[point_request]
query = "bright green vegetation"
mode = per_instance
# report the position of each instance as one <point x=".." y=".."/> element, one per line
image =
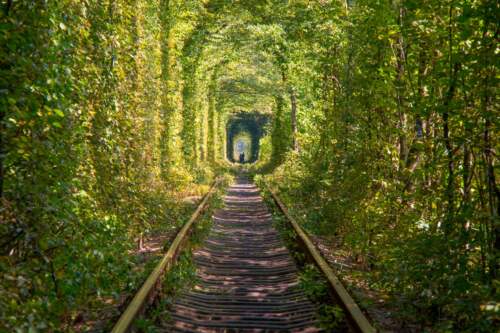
<point x="383" y="133"/>
<point x="331" y="316"/>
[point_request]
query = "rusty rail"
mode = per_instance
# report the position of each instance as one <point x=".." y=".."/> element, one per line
<point x="148" y="288"/>
<point x="356" y="318"/>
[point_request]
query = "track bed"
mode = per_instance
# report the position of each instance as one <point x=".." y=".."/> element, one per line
<point x="247" y="279"/>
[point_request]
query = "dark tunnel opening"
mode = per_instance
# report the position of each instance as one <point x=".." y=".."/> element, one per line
<point x="244" y="131"/>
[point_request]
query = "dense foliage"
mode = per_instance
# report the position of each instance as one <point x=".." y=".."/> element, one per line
<point x="384" y="133"/>
<point x="398" y="130"/>
<point x="90" y="148"/>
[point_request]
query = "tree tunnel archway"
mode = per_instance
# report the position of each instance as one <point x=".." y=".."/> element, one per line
<point x="245" y="130"/>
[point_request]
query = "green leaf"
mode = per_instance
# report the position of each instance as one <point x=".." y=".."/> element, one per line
<point x="59" y="113"/>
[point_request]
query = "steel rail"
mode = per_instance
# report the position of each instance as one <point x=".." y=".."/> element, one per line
<point x="356" y="318"/>
<point x="147" y="290"/>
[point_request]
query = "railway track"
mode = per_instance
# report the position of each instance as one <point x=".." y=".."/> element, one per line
<point x="247" y="279"/>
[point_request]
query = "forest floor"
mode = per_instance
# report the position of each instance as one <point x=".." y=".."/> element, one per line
<point x="383" y="314"/>
<point x="108" y="309"/>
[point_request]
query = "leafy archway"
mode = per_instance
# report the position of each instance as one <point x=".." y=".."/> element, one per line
<point x="245" y="125"/>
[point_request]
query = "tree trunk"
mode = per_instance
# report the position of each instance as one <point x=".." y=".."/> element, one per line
<point x="293" y="101"/>
<point x="2" y="151"/>
<point x="8" y="6"/>
<point x="400" y="69"/>
<point x="450" y="184"/>
<point x="293" y="115"/>
<point x="493" y="199"/>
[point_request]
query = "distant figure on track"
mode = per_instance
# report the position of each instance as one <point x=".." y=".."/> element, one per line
<point x="242" y="158"/>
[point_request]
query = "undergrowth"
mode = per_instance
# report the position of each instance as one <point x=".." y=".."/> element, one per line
<point x="182" y="276"/>
<point x="331" y="317"/>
